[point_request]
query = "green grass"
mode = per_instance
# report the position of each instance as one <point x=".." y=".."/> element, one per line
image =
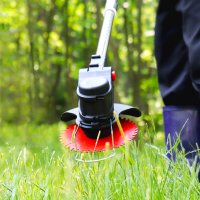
<point x="34" y="165"/>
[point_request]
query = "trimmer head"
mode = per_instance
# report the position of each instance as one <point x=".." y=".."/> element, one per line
<point x="83" y="143"/>
<point x="98" y="120"/>
<point x="91" y="138"/>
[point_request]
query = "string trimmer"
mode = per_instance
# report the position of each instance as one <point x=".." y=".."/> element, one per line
<point x="98" y="120"/>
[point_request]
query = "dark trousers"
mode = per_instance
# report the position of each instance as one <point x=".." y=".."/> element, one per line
<point x="177" y="51"/>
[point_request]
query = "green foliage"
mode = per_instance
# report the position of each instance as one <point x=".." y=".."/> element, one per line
<point x="33" y="165"/>
<point x="45" y="43"/>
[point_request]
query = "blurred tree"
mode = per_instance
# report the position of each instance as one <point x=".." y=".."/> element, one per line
<point x="44" y="44"/>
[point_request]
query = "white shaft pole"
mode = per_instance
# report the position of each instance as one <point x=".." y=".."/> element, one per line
<point x="109" y="13"/>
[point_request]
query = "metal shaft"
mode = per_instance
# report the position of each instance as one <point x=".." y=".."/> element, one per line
<point x="109" y="13"/>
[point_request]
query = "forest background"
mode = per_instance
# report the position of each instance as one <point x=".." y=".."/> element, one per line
<point x="45" y="43"/>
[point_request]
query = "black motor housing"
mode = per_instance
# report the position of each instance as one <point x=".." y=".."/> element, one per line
<point x="96" y="98"/>
<point x="95" y="89"/>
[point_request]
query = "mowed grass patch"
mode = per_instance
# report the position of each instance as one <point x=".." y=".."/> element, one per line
<point x="34" y="165"/>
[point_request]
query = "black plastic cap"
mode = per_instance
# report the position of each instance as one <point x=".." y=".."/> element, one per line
<point x="94" y="86"/>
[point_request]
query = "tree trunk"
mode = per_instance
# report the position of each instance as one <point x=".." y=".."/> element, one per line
<point x="70" y="83"/>
<point x="34" y="88"/>
<point x="131" y="81"/>
<point x="49" y="26"/>
<point x="143" y="104"/>
<point x="98" y="16"/>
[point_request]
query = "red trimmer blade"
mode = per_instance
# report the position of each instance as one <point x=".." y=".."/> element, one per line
<point x="84" y="144"/>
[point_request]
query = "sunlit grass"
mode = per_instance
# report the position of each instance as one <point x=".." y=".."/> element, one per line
<point x="33" y="165"/>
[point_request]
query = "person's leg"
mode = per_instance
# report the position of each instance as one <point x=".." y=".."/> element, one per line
<point x="171" y="55"/>
<point x="191" y="35"/>
<point x="183" y="124"/>
<point x="181" y="113"/>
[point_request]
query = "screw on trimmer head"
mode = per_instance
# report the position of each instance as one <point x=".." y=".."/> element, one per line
<point x="98" y="120"/>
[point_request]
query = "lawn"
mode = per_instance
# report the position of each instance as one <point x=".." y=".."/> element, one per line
<point x="34" y="165"/>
